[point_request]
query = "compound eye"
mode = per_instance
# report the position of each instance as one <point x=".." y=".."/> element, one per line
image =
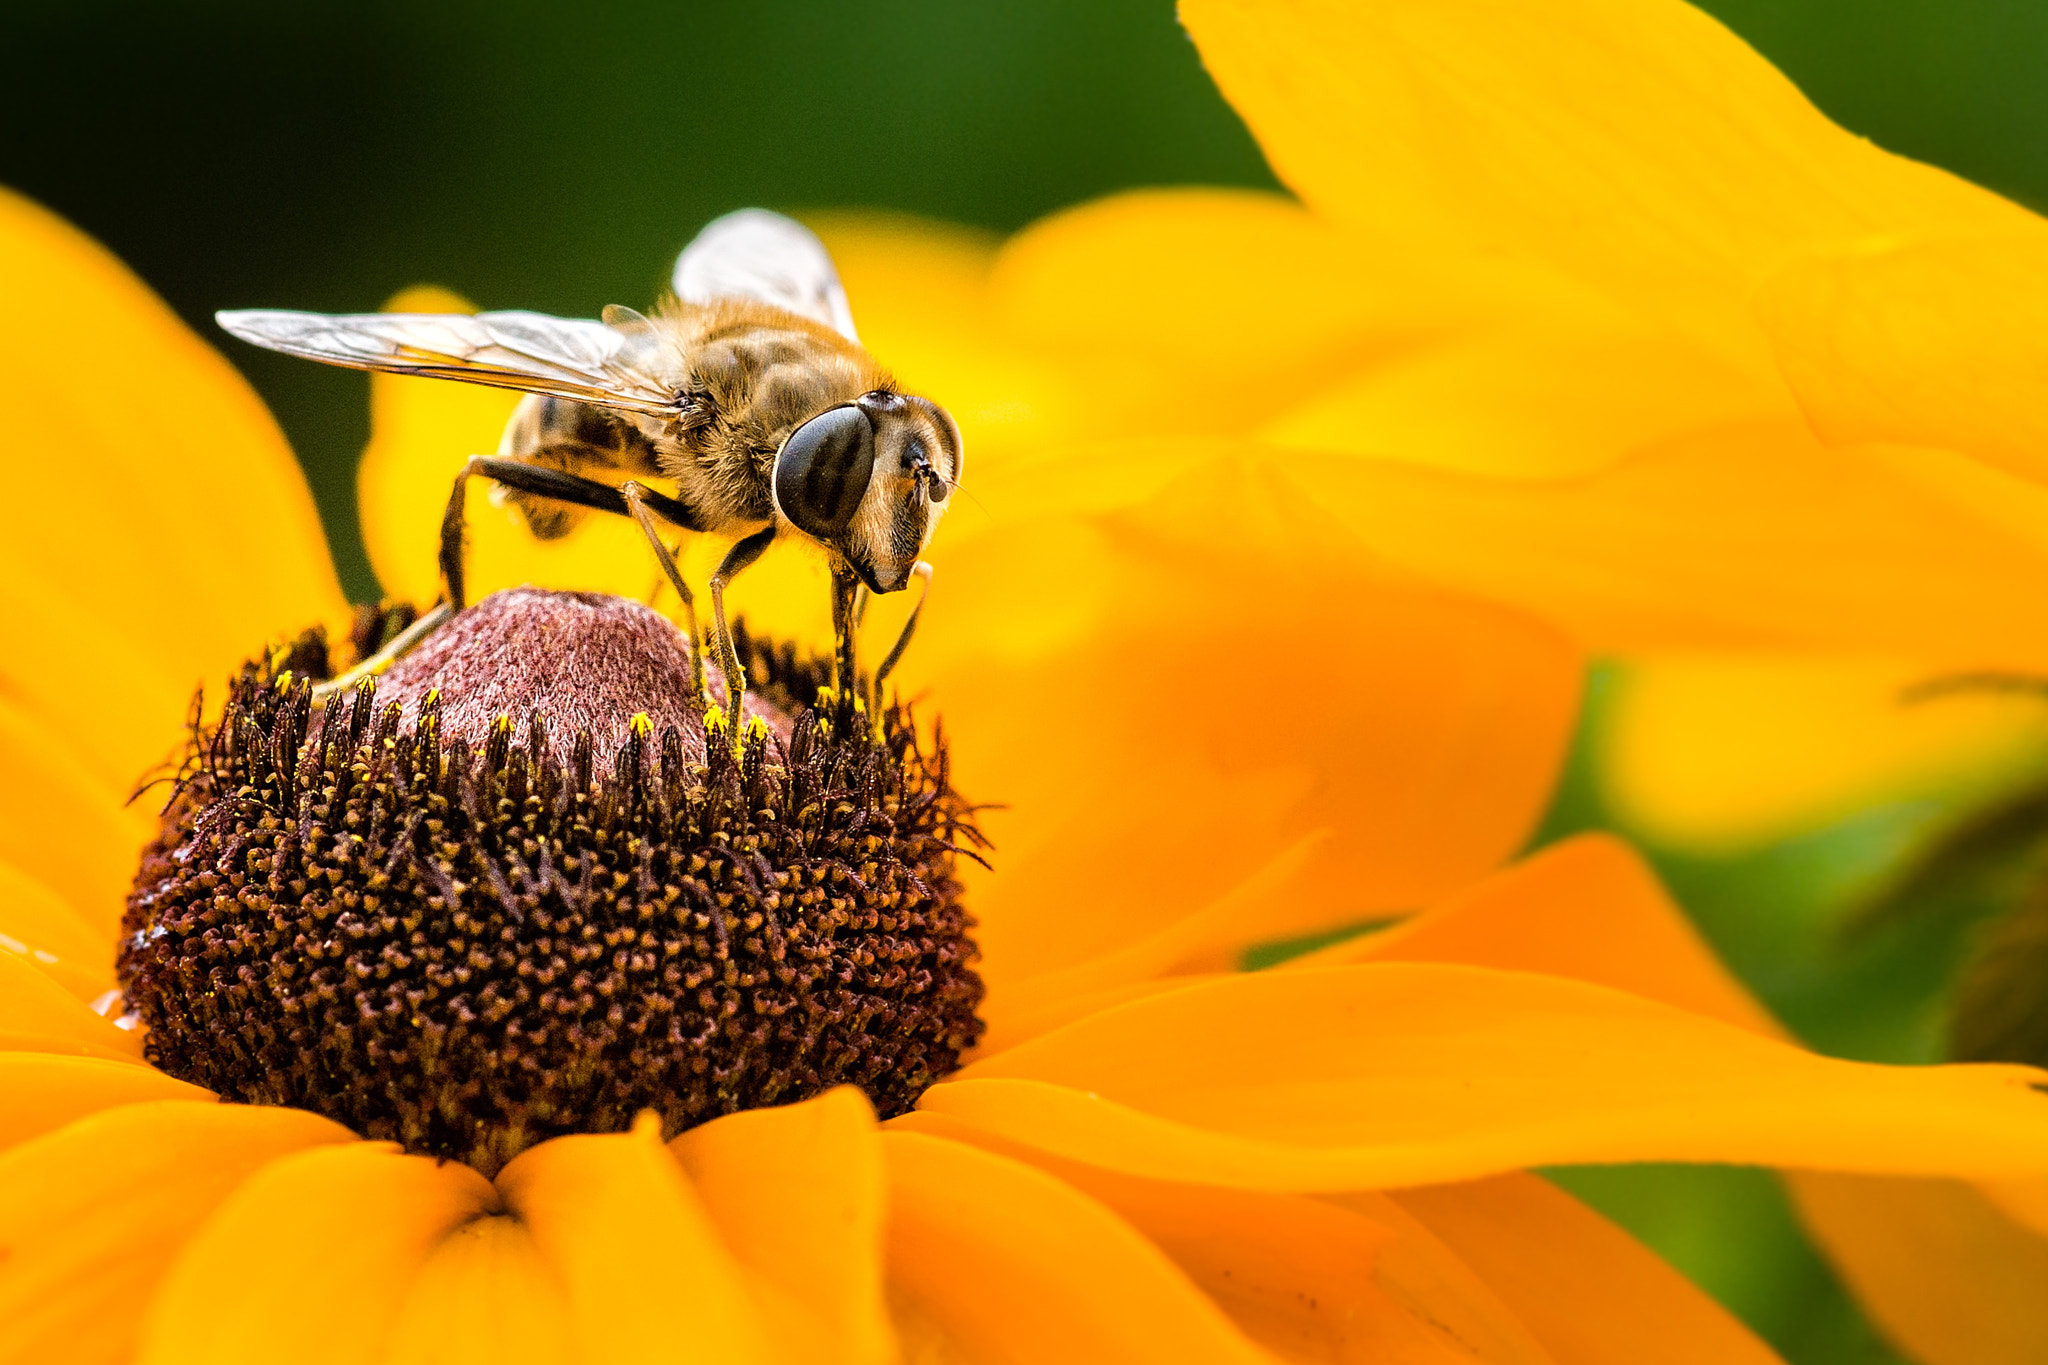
<point x="822" y="472"/>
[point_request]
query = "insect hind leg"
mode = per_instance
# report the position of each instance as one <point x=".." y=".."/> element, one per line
<point x="542" y="481"/>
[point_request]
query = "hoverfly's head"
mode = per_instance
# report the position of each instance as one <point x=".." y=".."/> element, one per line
<point x="871" y="479"/>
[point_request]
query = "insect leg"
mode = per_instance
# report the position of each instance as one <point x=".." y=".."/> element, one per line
<point x="547" y="483"/>
<point x="923" y="571"/>
<point x="635" y="495"/>
<point x="846" y="595"/>
<point x="742" y="554"/>
<point x="374" y="666"/>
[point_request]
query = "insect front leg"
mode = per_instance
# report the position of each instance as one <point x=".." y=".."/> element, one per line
<point x="847" y="592"/>
<point x="742" y="554"/>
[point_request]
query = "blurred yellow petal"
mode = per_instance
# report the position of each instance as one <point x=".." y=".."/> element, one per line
<point x="1394" y="1074"/>
<point x="1635" y="143"/>
<point x="920" y="294"/>
<point x="1591" y="1293"/>
<point x="798" y="1194"/>
<point x="46" y="1090"/>
<point x="92" y="1215"/>
<point x="991" y="1259"/>
<point x="309" y="1260"/>
<point x="1299" y="1276"/>
<point x="37" y="924"/>
<point x="1921" y="341"/>
<point x="118" y="703"/>
<point x="1206" y="310"/>
<point x="1534" y="400"/>
<point x="1941" y="1270"/>
<point x="485" y="1296"/>
<point x="1745" y="538"/>
<point x="212" y="547"/>
<point x="38" y="1015"/>
<point x="640" y="1263"/>
<point x="63" y="826"/>
<point x="1716" y="753"/>
<point x="1588" y="908"/>
<point x="1240" y="676"/>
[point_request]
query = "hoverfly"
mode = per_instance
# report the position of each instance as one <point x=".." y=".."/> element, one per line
<point x="748" y="389"/>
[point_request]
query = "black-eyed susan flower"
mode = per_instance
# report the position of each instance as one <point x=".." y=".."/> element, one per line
<point x="1216" y="714"/>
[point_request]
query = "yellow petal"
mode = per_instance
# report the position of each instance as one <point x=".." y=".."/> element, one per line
<point x="309" y="1259"/>
<point x="38" y="1015"/>
<point x="1591" y="1293"/>
<point x="1549" y="398"/>
<point x="639" y="1261"/>
<point x="1152" y="758"/>
<point x="1175" y="299"/>
<point x="1748" y="537"/>
<point x="1639" y="145"/>
<point x="991" y="1259"/>
<point x="1588" y="908"/>
<point x="920" y="294"/>
<point x="118" y="702"/>
<point x="1301" y="1277"/>
<point x="212" y="544"/>
<point x="1715" y="753"/>
<point x="798" y="1195"/>
<point x="1941" y="1270"/>
<point x="45" y="1091"/>
<point x="37" y="924"/>
<point x="485" y="1296"/>
<point x="92" y="1215"/>
<point x="62" y="826"/>
<point x="1397" y="1074"/>
<point x="1933" y="341"/>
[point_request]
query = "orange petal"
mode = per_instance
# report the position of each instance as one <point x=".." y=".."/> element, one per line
<point x="38" y="1015"/>
<point x="1639" y="145"/>
<point x="1718" y="753"/>
<point x="798" y="1195"/>
<point x="37" y="924"/>
<point x="1395" y="1074"/>
<point x="61" y="825"/>
<point x="310" y="1258"/>
<point x="1297" y="1275"/>
<point x="92" y="1215"/>
<point x="1591" y="1293"/>
<point x="212" y="544"/>
<point x="1588" y="908"/>
<point x="1922" y="341"/>
<point x="1148" y="766"/>
<point x="639" y="1261"/>
<point x="485" y="1296"/>
<point x="991" y="1259"/>
<point x="45" y="1091"/>
<point x="1749" y="537"/>
<point x="1941" y="1270"/>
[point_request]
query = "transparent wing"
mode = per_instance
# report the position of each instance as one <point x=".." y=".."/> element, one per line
<point x="755" y="254"/>
<point x="621" y="363"/>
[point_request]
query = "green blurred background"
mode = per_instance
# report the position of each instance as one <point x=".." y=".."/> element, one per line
<point x="320" y="155"/>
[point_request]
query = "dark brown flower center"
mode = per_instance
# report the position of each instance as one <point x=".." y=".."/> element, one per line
<point x="509" y="892"/>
